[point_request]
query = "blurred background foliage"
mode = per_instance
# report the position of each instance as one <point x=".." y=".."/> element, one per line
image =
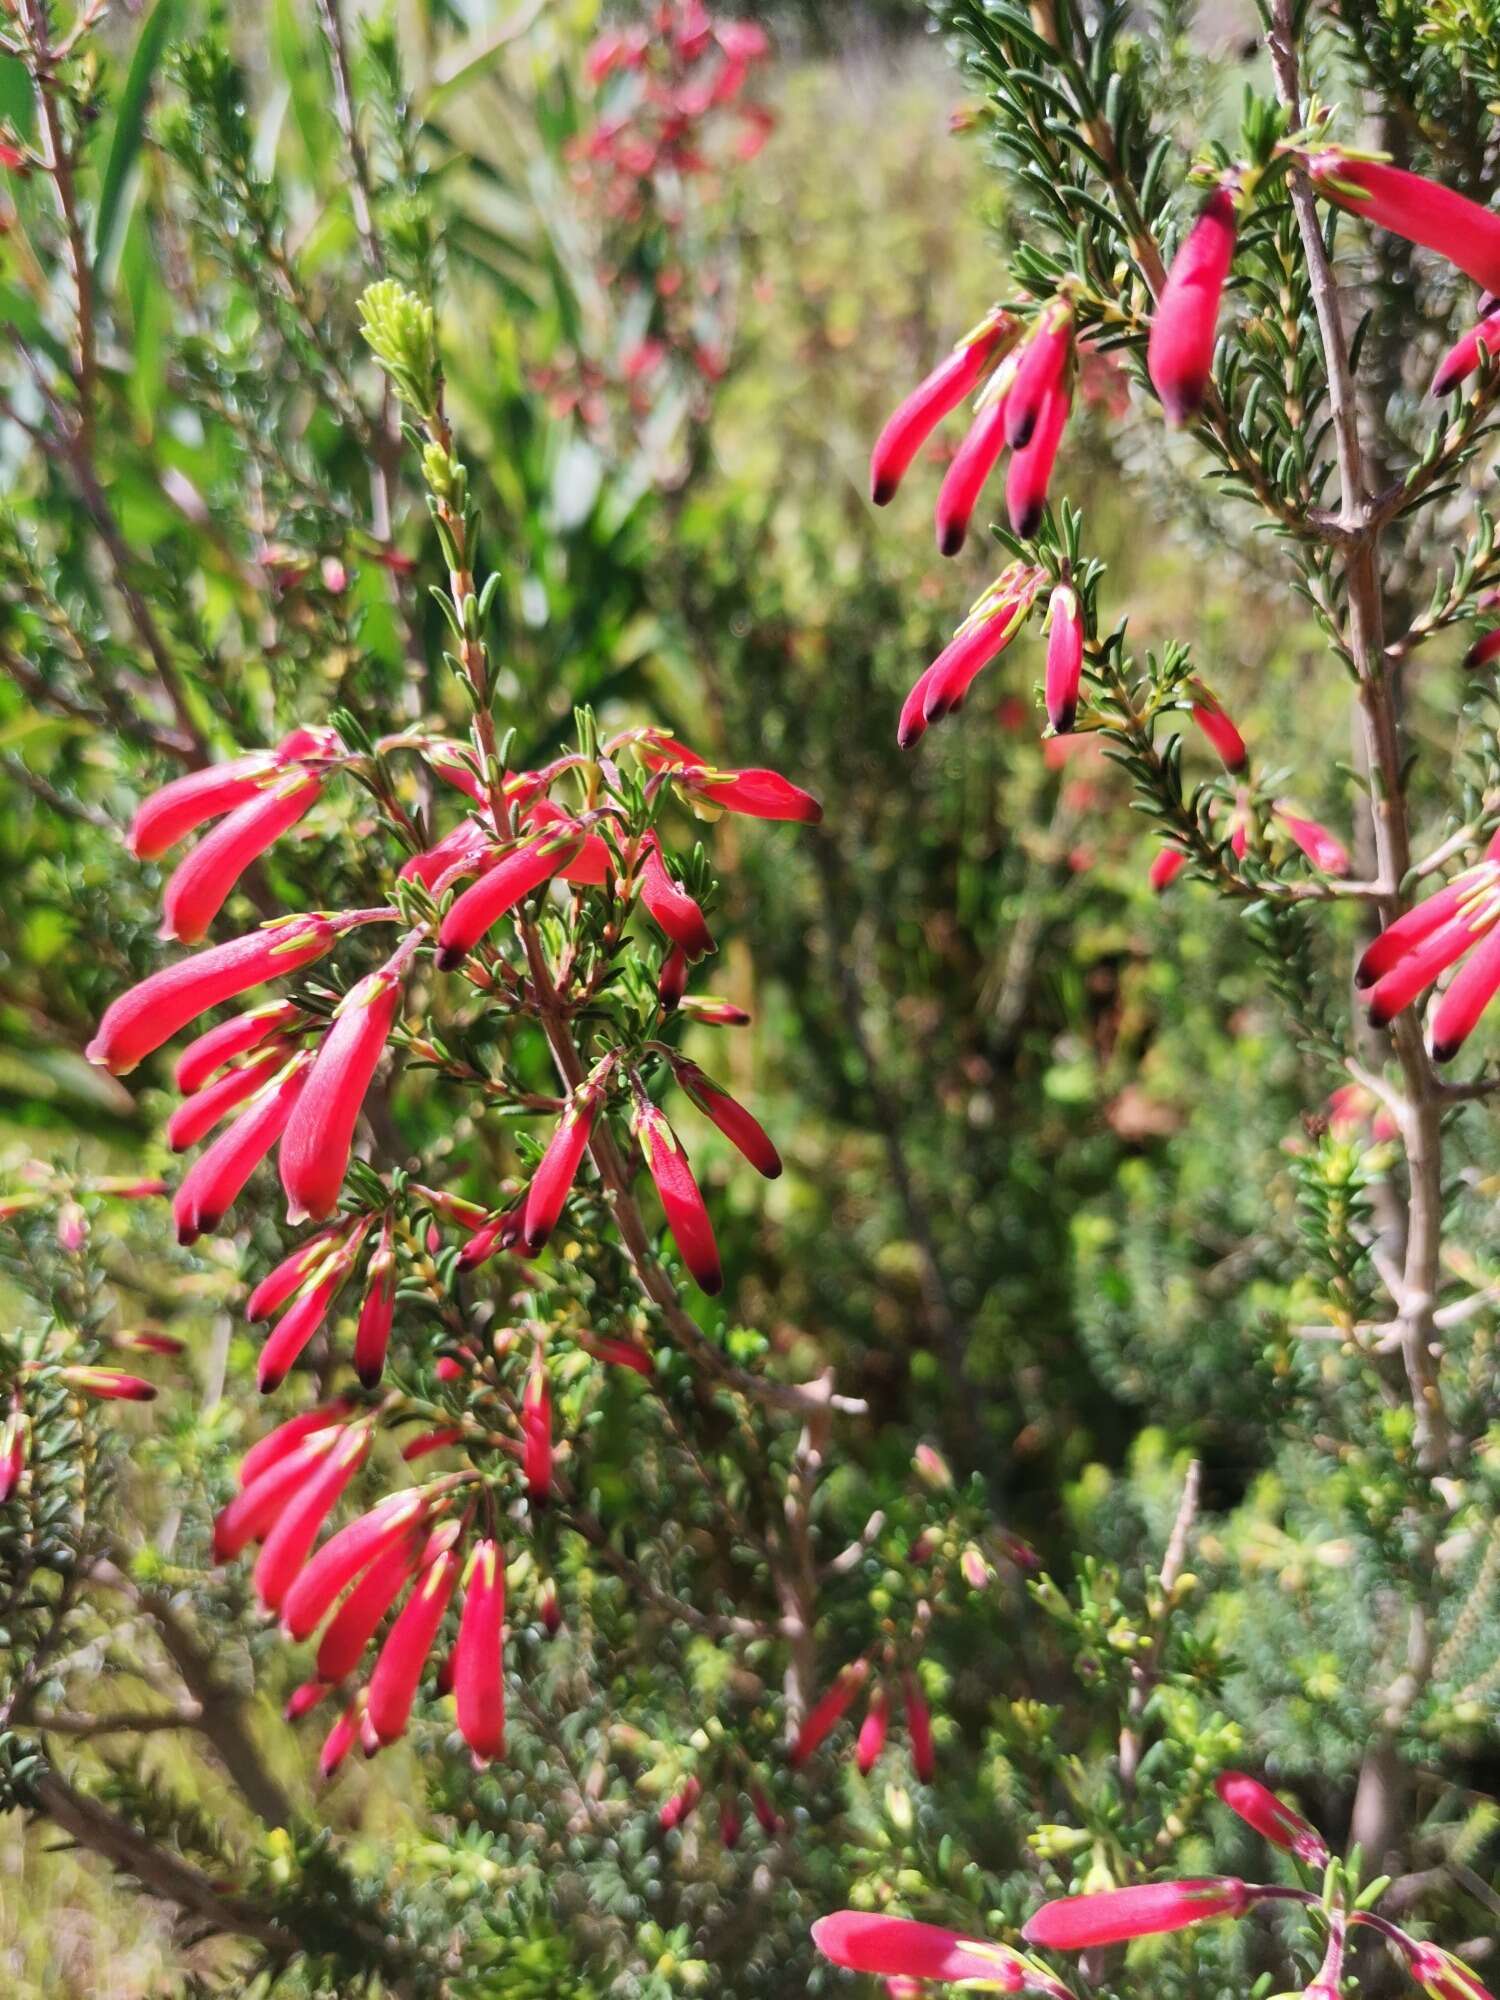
<point x="1041" y="1127"/>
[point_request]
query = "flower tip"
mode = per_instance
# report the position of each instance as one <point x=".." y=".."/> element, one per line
<point x="1062" y="722"/>
<point x="882" y="489"/>
<point x="1024" y="521"/>
<point x="1444" y="1052"/>
<point x="951" y="536"/>
<point x="449" y="957"/>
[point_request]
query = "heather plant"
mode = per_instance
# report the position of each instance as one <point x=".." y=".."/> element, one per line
<point x="793" y="1396"/>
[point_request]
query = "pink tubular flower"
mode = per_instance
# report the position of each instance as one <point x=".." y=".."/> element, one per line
<point x="172" y="813"/>
<point x="509" y="882"/>
<point x="896" y="1946"/>
<point x="671" y="982"/>
<point x="1472" y="989"/>
<point x="340" y="1740"/>
<point x="217" y="1046"/>
<point x="1220" y="731"/>
<point x="393" y="1684"/>
<point x="1408" y="955"/>
<point x="1031" y="469"/>
<point x="669" y="905"/>
<point x="213" y="1182"/>
<point x="1167" y="865"/>
<point x="941" y="391"/>
<point x="501" y="1232"/>
<point x="152" y="1012"/>
<point x="733" y="1120"/>
<point x="320" y="1131"/>
<point x="974" y="461"/>
<point x="289" y="1276"/>
<point x="993" y="621"/>
<point x="378" y="1310"/>
<point x="754" y="792"/>
<point x="731" y="1825"/>
<point x="558" y="1167"/>
<point x="285" y="1439"/>
<point x="1481" y="341"/>
<point x="343" y="1557"/>
<point x="873" y="1731"/>
<point x="478" y="1655"/>
<point x="1463" y="232"/>
<point x="919" y="1728"/>
<point x="1184" y="327"/>
<point x="200" y="883"/>
<point x="1064" y="657"/>
<point x="110" y="1385"/>
<point x="681" y="1199"/>
<point x="1040" y="368"/>
<point x="680" y="1806"/>
<point x="429" y="1442"/>
<point x="459" y="852"/>
<point x="828" y="1711"/>
<point x="1323" y="850"/>
<point x="1397" y="940"/>
<point x="303" y="1700"/>
<point x="353" y="1625"/>
<point x="295" y="1529"/>
<point x="1250" y="1801"/>
<point x="536" y="1429"/>
<point x="714" y="1013"/>
<point x="250" y="1514"/>
<point x="1074" y="1923"/>
<point x="1487" y="647"/>
<point x="1439" y="1972"/>
<point x="297" y="1325"/>
<point x="190" y="1121"/>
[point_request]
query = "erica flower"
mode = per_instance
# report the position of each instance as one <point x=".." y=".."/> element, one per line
<point x="13" y="1440"/>
<point x="558" y="1166"/>
<point x="152" y="1012"/>
<point x="393" y="1684"/>
<point x="681" y="1199"/>
<point x="311" y="1306"/>
<point x="897" y="1946"/>
<point x="680" y="1806"/>
<point x="190" y="1121"/>
<point x="320" y="1132"/>
<point x="1184" y="326"/>
<point x="1423" y="211"/>
<point x="1074" y="1923"/>
<point x="1326" y="853"/>
<point x="536" y="1429"/>
<point x="670" y="905"/>
<point x="1030" y="472"/>
<point x="200" y="883"/>
<point x="1409" y="954"/>
<point x="378" y="1309"/>
<point x="219" y="1045"/>
<point x="993" y="621"/>
<point x="1064" y="657"/>
<point x="345" y="1556"/>
<point x="172" y="813"/>
<point x="733" y="1120"/>
<point x="108" y="1385"/>
<point x="296" y="1524"/>
<point x="1487" y="647"/>
<point x="941" y="391"/>
<point x="919" y="1728"/>
<point x="1221" y="732"/>
<point x="1041" y="365"/>
<point x="212" y="1183"/>
<point x="509" y="882"/>
<point x="973" y="462"/>
<point x="1167" y="865"/>
<point x="828" y="1711"/>
<point x="478" y="1662"/>
<point x="872" y="1731"/>
<point x="671" y="981"/>
<point x="1461" y="360"/>
<point x="754" y="792"/>
<point x="1252" y="1802"/>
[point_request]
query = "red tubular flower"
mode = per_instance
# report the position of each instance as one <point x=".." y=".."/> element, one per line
<point x="152" y="1012"/>
<point x="1040" y="368"/>
<point x="172" y="813"/>
<point x="110" y="1385"/>
<point x="1074" y="1923"/>
<point x="714" y="1013"/>
<point x="372" y="1336"/>
<point x="353" y="1625"/>
<point x="147" y="1342"/>
<point x="754" y="791"/>
<point x="1486" y="648"/>
<point x="974" y="461"/>
<point x="1473" y="988"/>
<point x="429" y="1442"/>
<point x="913" y="721"/>
<point x="680" y="1806"/>
<point x="297" y="1325"/>
<point x="279" y="1443"/>
<point x="500" y="1233"/>
<point x="393" y="1685"/>
<point x="670" y="905"/>
<point x="200" y="1114"/>
<point x="1395" y="990"/>
<point x="1326" y="853"/>
<point x="873" y="1731"/>
<point x="1439" y="1972"/>
<point x="320" y="1131"/>
<point x="941" y="391"/>
<point x="1184" y="327"/>
<point x="286" y="1547"/>
<point x="1250" y="1801"/>
<point x="1064" y="657"/>
<point x="671" y="982"/>
<point x="12" y="1454"/>
<point x="265" y="1491"/>
<point x="217" y="1046"/>
<point x="536" y="1430"/>
<point x="733" y="1120"/>
<point x="303" y="1700"/>
<point x="214" y="1180"/>
<point x="478" y="1656"/>
<point x="289" y="1276"/>
<point x="687" y="1216"/>
<point x="1166" y="867"/>
<point x="919" y="1728"/>
<point x="618" y="1353"/>
<point x="1462" y="231"/>
<point x="1031" y="469"/>
<point x="558" y="1167"/>
<point x="1220" y="731"/>
<point x="593" y="865"/>
<point x="340" y="1740"/>
<point x="509" y="882"/>
<point x="899" y="1947"/>
<point x="343" y="1557"/>
<point x="1401" y="937"/>
<point x="993" y="621"/>
<point x="731" y="1825"/>
<point x="200" y="883"/>
<point x="765" y="1813"/>
<point x="828" y="1711"/>
<point x="459" y="851"/>
<point x="1464" y="356"/>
